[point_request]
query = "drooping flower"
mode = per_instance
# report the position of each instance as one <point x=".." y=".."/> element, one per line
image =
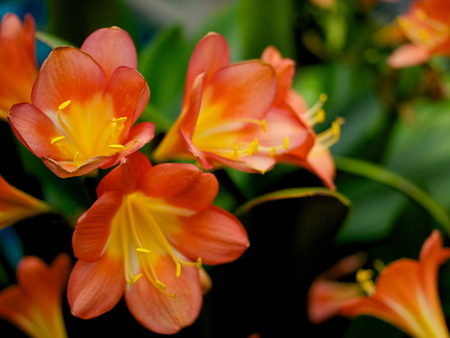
<point x="18" y="66"/>
<point x="84" y="105"/>
<point x="228" y="116"/>
<point x="406" y="293"/>
<point x="426" y="25"/>
<point x="16" y="205"/>
<point x="148" y="233"/>
<point x="327" y="295"/>
<point x="314" y="154"/>
<point x="34" y="304"/>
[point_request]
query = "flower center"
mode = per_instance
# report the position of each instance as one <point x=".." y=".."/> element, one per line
<point x="143" y="224"/>
<point x="85" y="137"/>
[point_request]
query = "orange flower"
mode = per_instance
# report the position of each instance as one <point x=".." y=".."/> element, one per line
<point x="15" y="205"/>
<point x="228" y="115"/>
<point x="406" y="293"/>
<point x="148" y="233"/>
<point x="313" y="154"/>
<point x="34" y="304"/>
<point x="426" y="25"/>
<point x="327" y="295"/>
<point x="18" y="66"/>
<point x="84" y="105"/>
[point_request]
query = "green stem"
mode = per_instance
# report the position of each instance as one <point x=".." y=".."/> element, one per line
<point x="379" y="174"/>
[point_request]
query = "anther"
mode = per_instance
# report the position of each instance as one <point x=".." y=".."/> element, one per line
<point x="143" y="250"/>
<point x="253" y="147"/>
<point x="364" y="278"/>
<point x="120" y="119"/>
<point x="178" y="272"/>
<point x="199" y="263"/>
<point x="320" y="116"/>
<point x="286" y="142"/>
<point x="161" y="285"/>
<point x="57" y="139"/>
<point x="264" y="125"/>
<point x="323" y="97"/>
<point x="134" y="279"/>
<point x="116" y="146"/>
<point x="64" y="104"/>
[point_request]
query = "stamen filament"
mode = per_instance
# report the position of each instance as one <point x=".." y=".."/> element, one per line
<point x="316" y="114"/>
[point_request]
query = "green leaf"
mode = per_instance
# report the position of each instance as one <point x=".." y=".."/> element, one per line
<point x="163" y="63"/>
<point x="51" y="40"/>
<point x="379" y="174"/>
<point x="267" y="24"/>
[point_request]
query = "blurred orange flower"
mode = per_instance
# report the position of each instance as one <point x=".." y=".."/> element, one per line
<point x="406" y="293"/>
<point x="233" y="114"/>
<point x="147" y="235"/>
<point x="15" y="205"/>
<point x="326" y="294"/>
<point x="427" y="27"/>
<point x="34" y="304"/>
<point x="84" y="105"/>
<point x="18" y="66"/>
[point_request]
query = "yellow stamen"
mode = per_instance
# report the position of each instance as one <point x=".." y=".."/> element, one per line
<point x="116" y="146"/>
<point x="199" y="263"/>
<point x="117" y="125"/>
<point x="286" y="142"/>
<point x="143" y="250"/>
<point x="134" y="279"/>
<point x="120" y="119"/>
<point x="264" y="125"/>
<point x="272" y="151"/>
<point x="75" y="159"/>
<point x="57" y="139"/>
<point x="161" y="284"/>
<point x="178" y="272"/>
<point x="364" y="278"/>
<point x="253" y="147"/>
<point x="316" y="114"/>
<point x="64" y="104"/>
<point x="320" y="116"/>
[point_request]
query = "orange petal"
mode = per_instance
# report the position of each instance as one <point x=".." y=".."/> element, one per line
<point x="126" y="176"/>
<point x="210" y="55"/>
<point x="67" y="74"/>
<point x="15" y="205"/>
<point x="127" y="88"/>
<point x="94" y="226"/>
<point x="326" y="297"/>
<point x="160" y="313"/>
<point x="111" y="48"/>
<point x="407" y="56"/>
<point x="214" y="235"/>
<point x="34" y="129"/>
<point x="245" y="89"/>
<point x="95" y="287"/>
<point x="180" y="184"/>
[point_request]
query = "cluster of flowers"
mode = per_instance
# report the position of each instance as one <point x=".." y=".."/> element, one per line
<point x="152" y="227"/>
